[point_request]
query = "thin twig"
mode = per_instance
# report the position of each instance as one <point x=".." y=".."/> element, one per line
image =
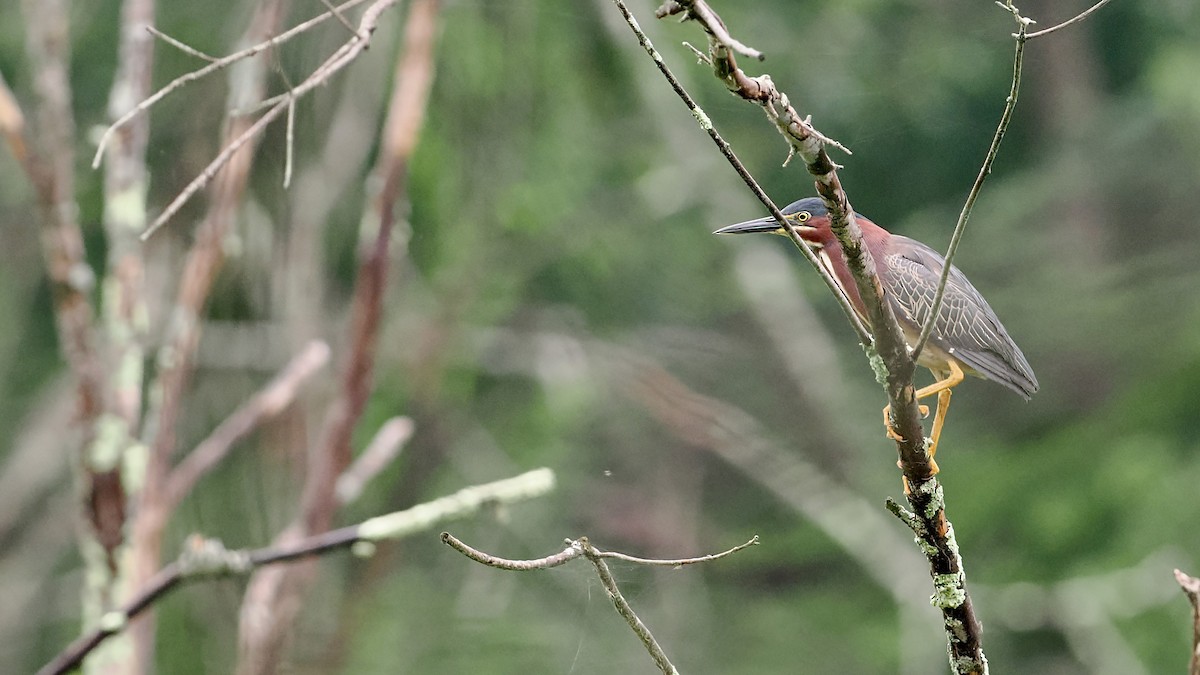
<point x="268" y="402"/>
<point x="341" y="18"/>
<point x="223" y="62"/>
<point x="378" y="454"/>
<point x="583" y="548"/>
<point x="1076" y="19"/>
<point x="1010" y="104"/>
<point x="571" y="552"/>
<point x="626" y="611"/>
<point x="341" y="58"/>
<point x="705" y="123"/>
<point x="186" y="49"/>
<point x="677" y="562"/>
<point x="708" y="18"/>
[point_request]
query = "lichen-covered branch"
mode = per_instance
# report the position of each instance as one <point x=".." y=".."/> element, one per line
<point x="208" y="558"/>
<point x="891" y="362"/>
<point x="888" y="352"/>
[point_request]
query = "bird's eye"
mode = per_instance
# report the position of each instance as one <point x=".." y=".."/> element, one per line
<point x="802" y="216"/>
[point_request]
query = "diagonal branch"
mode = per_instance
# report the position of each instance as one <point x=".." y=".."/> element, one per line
<point x="888" y="350"/>
<point x="888" y="353"/>
<point x="208" y="558"/>
<point x="268" y="402"/>
<point x="270" y="605"/>
<point x="214" y="66"/>
<point x="1075" y="19"/>
<point x="1021" y="36"/>
<point x="864" y="335"/>
<point x="342" y="57"/>
<point x="1010" y="104"/>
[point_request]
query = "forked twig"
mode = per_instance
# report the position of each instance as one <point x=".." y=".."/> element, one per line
<point x="1010" y="104"/>
<point x="213" y="67"/>
<point x="864" y="335"/>
<point x="1021" y="36"/>
<point x="582" y="548"/>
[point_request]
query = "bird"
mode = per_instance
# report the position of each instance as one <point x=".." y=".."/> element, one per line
<point x="967" y="336"/>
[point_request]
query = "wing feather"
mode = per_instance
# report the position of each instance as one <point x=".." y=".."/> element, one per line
<point x="966" y="326"/>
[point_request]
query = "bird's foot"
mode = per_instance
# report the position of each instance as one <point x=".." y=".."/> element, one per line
<point x="887" y="421"/>
<point x="933" y="471"/>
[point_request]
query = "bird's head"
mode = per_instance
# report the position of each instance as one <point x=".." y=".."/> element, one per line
<point x="808" y="217"/>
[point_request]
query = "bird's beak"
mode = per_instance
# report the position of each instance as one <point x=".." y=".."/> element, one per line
<point x="767" y="224"/>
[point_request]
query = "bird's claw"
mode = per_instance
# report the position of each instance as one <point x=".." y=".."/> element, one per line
<point x="933" y="471"/>
<point x="887" y="421"/>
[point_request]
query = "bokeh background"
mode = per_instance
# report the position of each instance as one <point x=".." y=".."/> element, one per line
<point x="558" y="301"/>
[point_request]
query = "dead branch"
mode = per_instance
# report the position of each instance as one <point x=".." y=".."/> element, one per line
<point x="1191" y="588"/>
<point x="208" y="558"/>
<point x="268" y="402"/>
<point x="582" y="548"/>
<point x="271" y="601"/>
<point x="341" y="58"/>
<point x="378" y="455"/>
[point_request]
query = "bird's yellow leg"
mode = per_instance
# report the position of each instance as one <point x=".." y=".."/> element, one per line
<point x="887" y="421"/>
<point x="952" y="380"/>
<point x="942" y="388"/>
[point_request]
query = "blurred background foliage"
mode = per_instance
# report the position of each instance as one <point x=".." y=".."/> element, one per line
<point x="559" y="266"/>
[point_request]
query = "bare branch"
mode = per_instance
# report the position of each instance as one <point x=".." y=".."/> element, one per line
<point x="677" y="562"/>
<point x="342" y="19"/>
<point x="583" y="548"/>
<point x="626" y="611"/>
<point x="186" y="49"/>
<point x="1076" y="19"/>
<point x="270" y="605"/>
<point x="379" y="453"/>
<point x="341" y="58"/>
<point x="48" y="158"/>
<point x="216" y="65"/>
<point x="1010" y="104"/>
<point x="726" y="150"/>
<point x="268" y="402"/>
<point x="290" y="144"/>
<point x="1191" y="588"/>
<point x="208" y="558"/>
<point x="708" y="18"/>
<point x="571" y="552"/>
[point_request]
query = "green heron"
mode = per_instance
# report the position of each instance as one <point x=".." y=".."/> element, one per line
<point x="967" y="338"/>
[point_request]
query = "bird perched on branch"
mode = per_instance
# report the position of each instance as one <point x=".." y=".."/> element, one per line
<point x="967" y="337"/>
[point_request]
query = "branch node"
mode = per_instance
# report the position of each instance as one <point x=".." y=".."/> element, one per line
<point x="209" y="557"/>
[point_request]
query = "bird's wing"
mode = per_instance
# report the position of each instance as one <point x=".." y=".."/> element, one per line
<point x="966" y="325"/>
